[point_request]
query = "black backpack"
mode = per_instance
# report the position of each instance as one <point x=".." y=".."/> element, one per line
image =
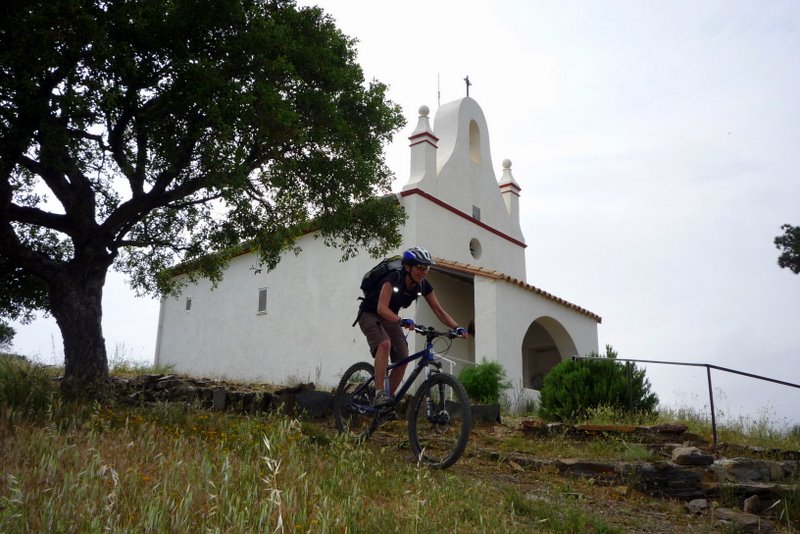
<point x="373" y="277"/>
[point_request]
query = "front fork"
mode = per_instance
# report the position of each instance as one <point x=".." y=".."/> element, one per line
<point x="430" y="407"/>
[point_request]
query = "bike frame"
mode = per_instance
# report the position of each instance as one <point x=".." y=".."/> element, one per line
<point x="439" y="417"/>
<point x="426" y="360"/>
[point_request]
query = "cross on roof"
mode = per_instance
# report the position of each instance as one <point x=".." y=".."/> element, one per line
<point x="466" y="80"/>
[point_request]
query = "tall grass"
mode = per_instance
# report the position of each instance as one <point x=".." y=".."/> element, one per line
<point x="176" y="469"/>
<point x="121" y="362"/>
<point x="762" y="431"/>
<point x="26" y="388"/>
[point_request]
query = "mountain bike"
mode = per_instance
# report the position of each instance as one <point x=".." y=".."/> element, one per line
<point x="439" y="415"/>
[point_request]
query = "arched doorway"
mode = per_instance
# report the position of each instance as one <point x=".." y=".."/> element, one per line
<point x="545" y="344"/>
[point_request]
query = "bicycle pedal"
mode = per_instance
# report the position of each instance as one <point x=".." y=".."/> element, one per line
<point x="389" y="415"/>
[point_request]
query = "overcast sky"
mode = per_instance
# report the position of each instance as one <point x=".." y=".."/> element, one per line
<point x="657" y="146"/>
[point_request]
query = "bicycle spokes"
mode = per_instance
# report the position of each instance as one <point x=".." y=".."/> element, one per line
<point x="436" y="406"/>
<point x="440" y="421"/>
<point x="353" y="406"/>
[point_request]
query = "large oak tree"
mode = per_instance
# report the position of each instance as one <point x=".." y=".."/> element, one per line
<point x="140" y="134"/>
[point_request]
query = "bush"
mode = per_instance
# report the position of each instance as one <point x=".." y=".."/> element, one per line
<point x="484" y="382"/>
<point x="572" y="388"/>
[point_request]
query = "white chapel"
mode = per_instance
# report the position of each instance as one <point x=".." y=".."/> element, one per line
<point x="293" y="324"/>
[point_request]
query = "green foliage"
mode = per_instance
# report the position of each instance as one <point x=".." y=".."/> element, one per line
<point x="21" y="293"/>
<point x="142" y="135"/>
<point x="7" y="334"/>
<point x="789" y="245"/>
<point x="572" y="388"/>
<point x="484" y="382"/>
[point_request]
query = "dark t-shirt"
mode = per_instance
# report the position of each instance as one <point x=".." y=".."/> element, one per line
<point x="402" y="297"/>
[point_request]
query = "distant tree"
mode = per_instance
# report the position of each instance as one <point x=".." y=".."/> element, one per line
<point x="789" y="245"/>
<point x="138" y="135"/>
<point x="7" y="334"/>
<point x="573" y="387"/>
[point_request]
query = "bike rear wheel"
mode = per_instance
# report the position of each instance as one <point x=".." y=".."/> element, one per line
<point x="352" y="405"/>
<point x="439" y="421"/>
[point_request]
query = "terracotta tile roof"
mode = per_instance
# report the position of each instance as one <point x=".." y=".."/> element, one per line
<point x="495" y="275"/>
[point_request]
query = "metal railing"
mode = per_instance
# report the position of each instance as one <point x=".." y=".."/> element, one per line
<point x="708" y="367"/>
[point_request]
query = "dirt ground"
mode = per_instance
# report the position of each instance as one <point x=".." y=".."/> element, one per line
<point x="618" y="506"/>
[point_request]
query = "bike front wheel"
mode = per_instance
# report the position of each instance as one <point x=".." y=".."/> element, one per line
<point x="352" y="405"/>
<point x="439" y="421"/>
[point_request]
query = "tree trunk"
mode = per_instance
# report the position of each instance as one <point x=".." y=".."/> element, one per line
<point x="76" y="304"/>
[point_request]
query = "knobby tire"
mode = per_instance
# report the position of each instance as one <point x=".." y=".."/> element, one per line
<point x="440" y="438"/>
<point x="356" y="388"/>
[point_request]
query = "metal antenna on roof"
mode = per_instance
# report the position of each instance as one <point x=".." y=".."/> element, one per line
<point x="466" y="80"/>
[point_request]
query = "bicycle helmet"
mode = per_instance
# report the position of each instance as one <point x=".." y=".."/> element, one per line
<point x="418" y="256"/>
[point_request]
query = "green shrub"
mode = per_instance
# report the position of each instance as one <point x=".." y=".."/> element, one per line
<point x="572" y="388"/>
<point x="484" y="382"/>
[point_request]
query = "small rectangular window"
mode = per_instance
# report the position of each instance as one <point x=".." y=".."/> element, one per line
<point x="188" y="303"/>
<point x="262" y="300"/>
<point x="476" y="213"/>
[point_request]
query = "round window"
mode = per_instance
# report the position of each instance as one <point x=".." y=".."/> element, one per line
<point x="475" y="248"/>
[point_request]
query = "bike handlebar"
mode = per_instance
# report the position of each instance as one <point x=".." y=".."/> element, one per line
<point x="431" y="332"/>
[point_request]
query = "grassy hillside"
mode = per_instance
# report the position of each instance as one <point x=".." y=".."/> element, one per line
<point x="176" y="468"/>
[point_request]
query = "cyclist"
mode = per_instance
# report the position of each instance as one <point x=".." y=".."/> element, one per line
<point x="383" y="327"/>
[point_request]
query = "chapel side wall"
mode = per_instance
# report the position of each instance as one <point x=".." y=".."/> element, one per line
<point x="305" y="335"/>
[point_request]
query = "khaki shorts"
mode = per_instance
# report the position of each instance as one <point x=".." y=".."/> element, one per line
<point x="377" y="330"/>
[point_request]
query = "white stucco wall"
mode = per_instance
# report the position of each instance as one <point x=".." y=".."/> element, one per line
<point x="448" y="235"/>
<point x="305" y="334"/>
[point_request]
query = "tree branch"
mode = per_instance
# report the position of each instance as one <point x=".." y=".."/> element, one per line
<point x="149" y="242"/>
<point x="81" y="134"/>
<point x="37" y="217"/>
<point x="203" y="200"/>
<point x="116" y="140"/>
<point x="54" y="180"/>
